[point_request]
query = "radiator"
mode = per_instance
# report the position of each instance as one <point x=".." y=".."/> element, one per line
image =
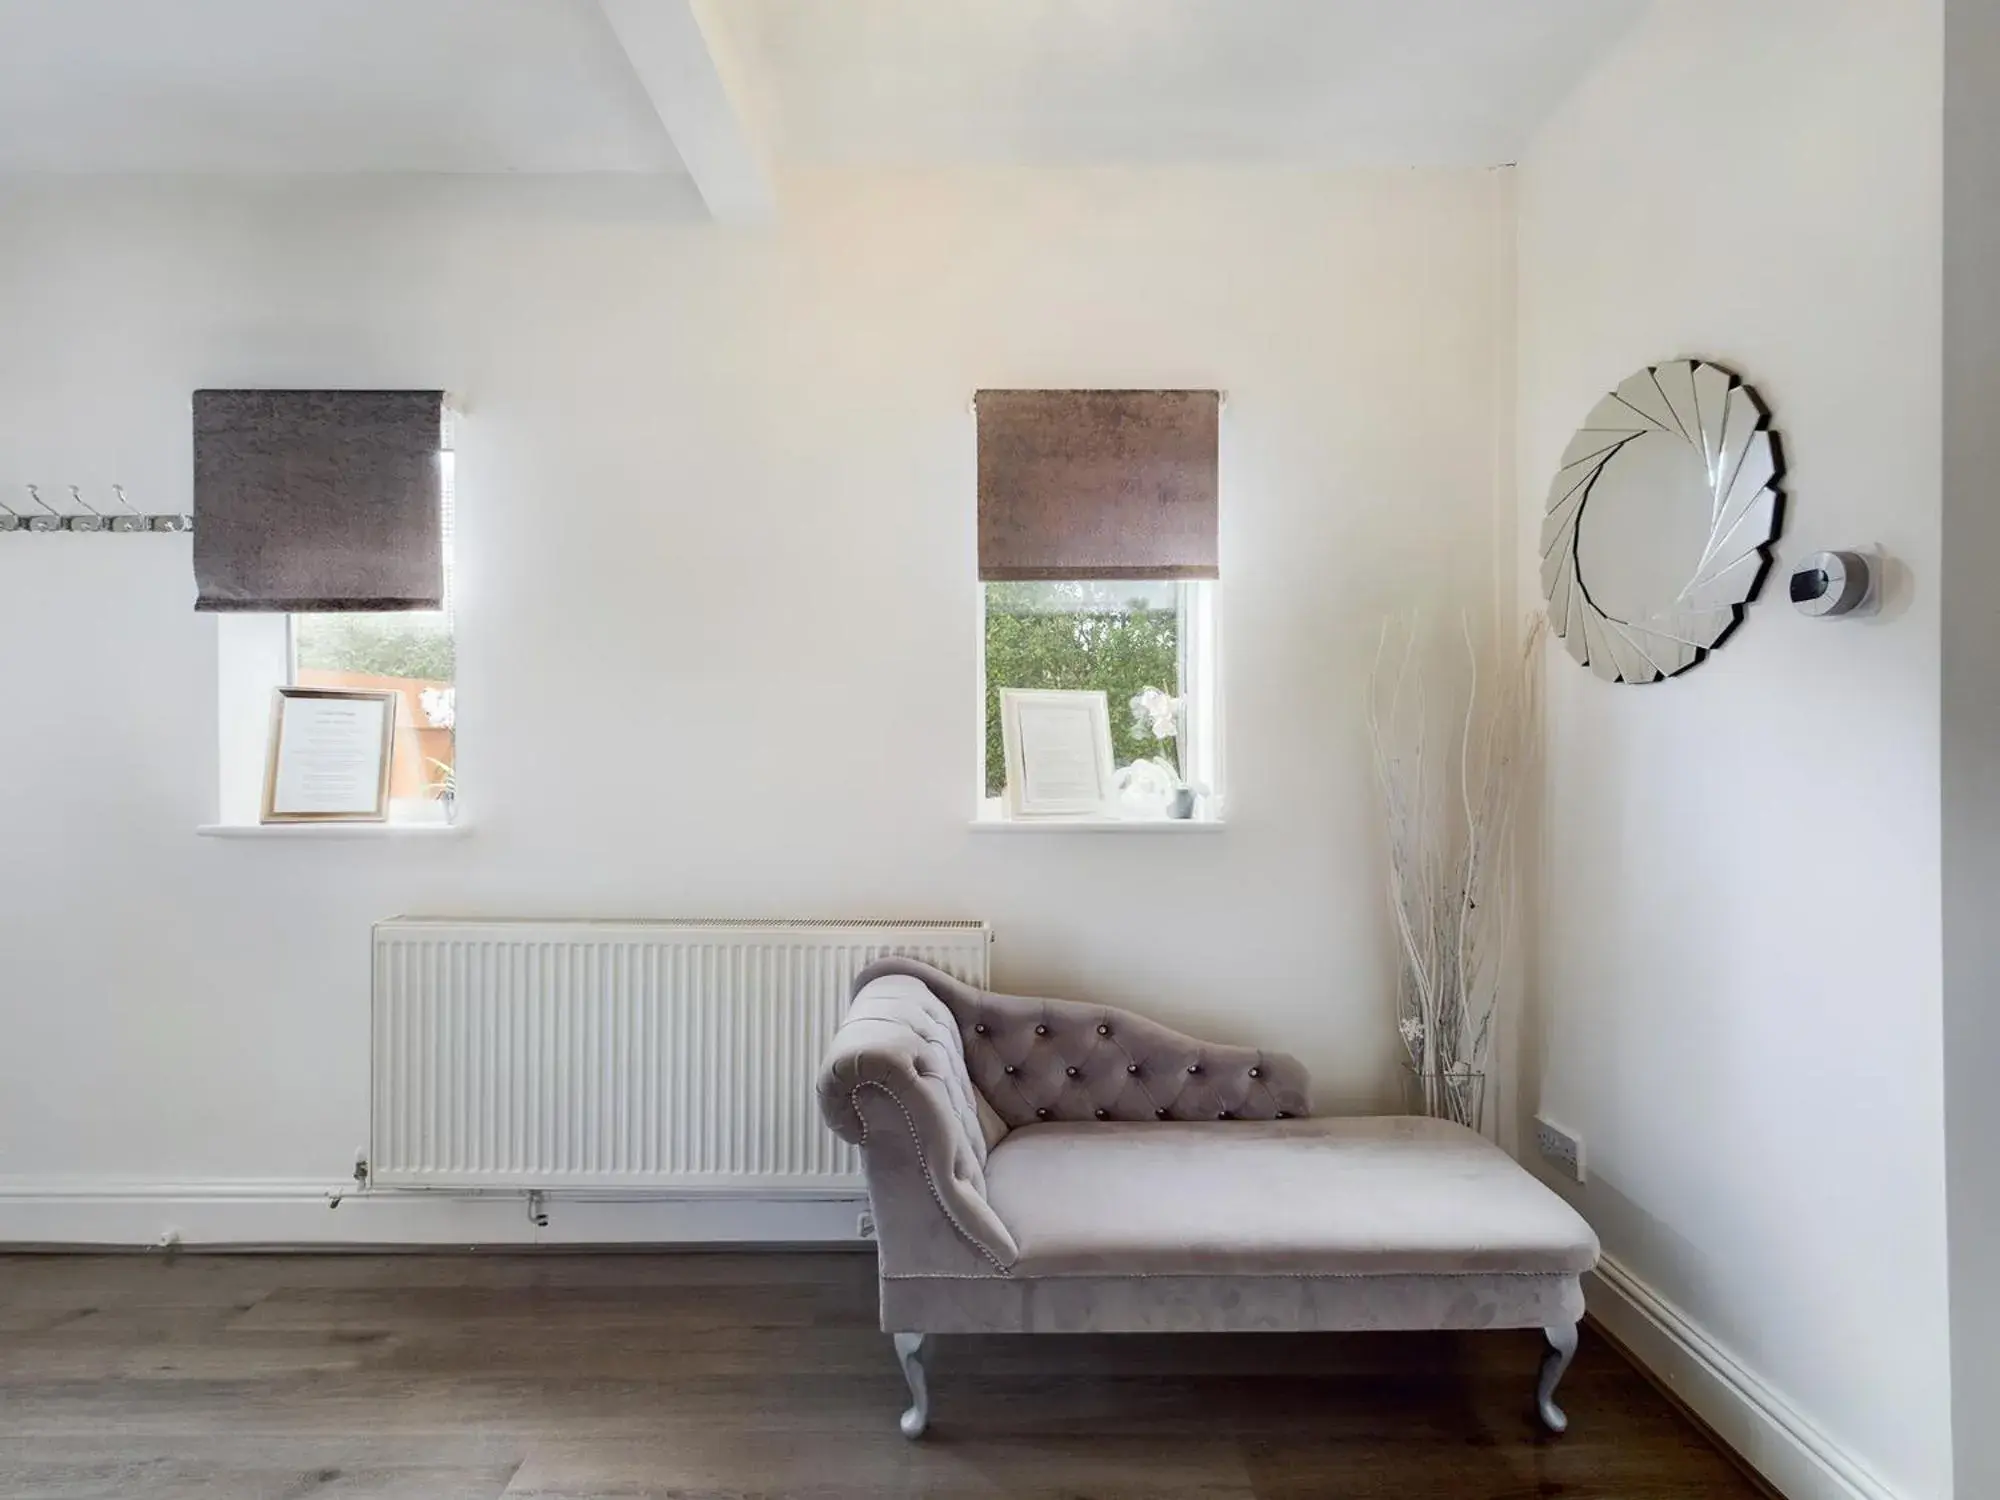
<point x="598" y="1056"/>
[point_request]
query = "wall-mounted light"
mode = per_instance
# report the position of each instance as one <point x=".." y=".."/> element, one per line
<point x="1833" y="583"/>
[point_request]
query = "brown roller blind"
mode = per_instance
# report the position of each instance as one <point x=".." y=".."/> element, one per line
<point x="1097" y="484"/>
<point x="318" y="500"/>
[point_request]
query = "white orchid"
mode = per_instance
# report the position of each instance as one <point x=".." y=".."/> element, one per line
<point x="440" y="707"/>
<point x="1158" y="713"/>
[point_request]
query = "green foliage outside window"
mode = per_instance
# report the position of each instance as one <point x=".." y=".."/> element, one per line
<point x="1119" y="638"/>
<point x="386" y="645"/>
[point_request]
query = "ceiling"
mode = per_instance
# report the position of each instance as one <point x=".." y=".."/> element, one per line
<point x="320" y="86"/>
<point x="555" y="86"/>
<point x="1319" y="82"/>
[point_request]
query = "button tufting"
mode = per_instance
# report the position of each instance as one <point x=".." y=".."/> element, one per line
<point x="1103" y="1029"/>
<point x="1104" y="1114"/>
<point x="1011" y="1070"/>
<point x="1225" y="1115"/>
<point x="1159" y="1114"/>
<point x="1284" y="1114"/>
<point x="1194" y="1067"/>
<point x="1070" y="1071"/>
<point x="1256" y="1072"/>
<point x="980" y="1028"/>
<point x="1131" y="1067"/>
<point x="1041" y="1114"/>
<point x="1041" y="1031"/>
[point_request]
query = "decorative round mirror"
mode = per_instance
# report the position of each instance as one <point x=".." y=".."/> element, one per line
<point x="1658" y="521"/>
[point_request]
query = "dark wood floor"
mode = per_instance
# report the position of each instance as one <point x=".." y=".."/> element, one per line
<point x="747" y="1374"/>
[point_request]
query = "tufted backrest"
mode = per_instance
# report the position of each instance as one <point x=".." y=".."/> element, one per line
<point x="1036" y="1060"/>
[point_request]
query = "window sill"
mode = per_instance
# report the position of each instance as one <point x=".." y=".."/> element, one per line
<point x="1097" y="825"/>
<point x="332" y="830"/>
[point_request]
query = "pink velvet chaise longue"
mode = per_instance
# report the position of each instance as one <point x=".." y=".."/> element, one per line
<point x="1047" y="1166"/>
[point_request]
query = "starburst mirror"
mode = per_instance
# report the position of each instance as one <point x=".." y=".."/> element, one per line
<point x="1659" y="521"/>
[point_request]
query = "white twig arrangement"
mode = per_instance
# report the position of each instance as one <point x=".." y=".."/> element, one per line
<point x="1451" y="857"/>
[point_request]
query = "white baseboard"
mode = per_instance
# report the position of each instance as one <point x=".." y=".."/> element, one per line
<point x="302" y="1215"/>
<point x="1767" y="1431"/>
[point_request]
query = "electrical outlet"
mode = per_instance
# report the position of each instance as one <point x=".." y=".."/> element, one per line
<point x="1562" y="1147"/>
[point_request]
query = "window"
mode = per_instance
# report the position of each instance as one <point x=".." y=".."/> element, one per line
<point x="327" y="519"/>
<point x="412" y="654"/>
<point x="1097" y="559"/>
<point x="1124" y="638"/>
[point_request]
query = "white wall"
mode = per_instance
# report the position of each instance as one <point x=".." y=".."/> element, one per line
<point x="718" y="619"/>
<point x="1738" y="958"/>
<point x="1971" y="718"/>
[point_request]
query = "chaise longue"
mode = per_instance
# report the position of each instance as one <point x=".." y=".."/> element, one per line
<point x="1048" y="1166"/>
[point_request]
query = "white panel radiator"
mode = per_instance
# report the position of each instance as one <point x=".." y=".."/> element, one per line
<point x="600" y="1056"/>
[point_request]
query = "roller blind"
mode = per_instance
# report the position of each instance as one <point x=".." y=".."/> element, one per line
<point x="1097" y="484"/>
<point x="308" y="501"/>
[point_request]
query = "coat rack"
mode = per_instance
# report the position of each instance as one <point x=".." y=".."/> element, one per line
<point x="42" y="517"/>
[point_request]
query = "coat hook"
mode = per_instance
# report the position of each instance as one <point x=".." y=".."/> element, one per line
<point x="131" y="520"/>
<point x="92" y="520"/>
<point x="53" y="521"/>
<point x="157" y="523"/>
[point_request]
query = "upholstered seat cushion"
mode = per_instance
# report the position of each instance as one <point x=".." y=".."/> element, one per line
<point x="1388" y="1196"/>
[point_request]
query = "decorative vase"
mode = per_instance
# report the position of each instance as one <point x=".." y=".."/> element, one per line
<point x="1457" y="1095"/>
<point x="1181" y="804"/>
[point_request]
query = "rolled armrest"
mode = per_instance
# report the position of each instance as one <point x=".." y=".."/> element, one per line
<point x="894" y="1083"/>
<point x="1038" y="1060"/>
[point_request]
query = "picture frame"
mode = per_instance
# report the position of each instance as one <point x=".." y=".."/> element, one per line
<point x="330" y="755"/>
<point x="1057" y="745"/>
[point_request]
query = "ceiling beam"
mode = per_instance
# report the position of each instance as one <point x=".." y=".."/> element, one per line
<point x="700" y="94"/>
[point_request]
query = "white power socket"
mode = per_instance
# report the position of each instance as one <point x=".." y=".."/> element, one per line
<point x="1560" y="1146"/>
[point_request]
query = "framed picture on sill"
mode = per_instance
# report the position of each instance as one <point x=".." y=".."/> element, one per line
<point x="1058" y="749"/>
<point x="330" y="756"/>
